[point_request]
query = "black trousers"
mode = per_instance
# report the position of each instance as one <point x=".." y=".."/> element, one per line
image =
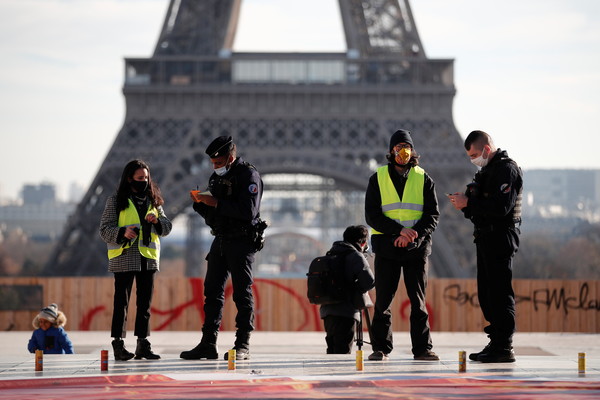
<point x="387" y="277"/>
<point x="226" y="257"/>
<point x="495" y="251"/>
<point x="144" y="288"/>
<point x="339" y="334"/>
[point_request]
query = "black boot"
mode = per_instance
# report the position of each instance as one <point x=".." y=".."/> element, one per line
<point x="498" y="354"/>
<point x="143" y="350"/>
<point x="121" y="354"/>
<point x="241" y="346"/>
<point x="475" y="356"/>
<point x="207" y="348"/>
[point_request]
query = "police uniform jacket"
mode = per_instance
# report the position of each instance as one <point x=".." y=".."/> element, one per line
<point x="383" y="245"/>
<point x="494" y="197"/>
<point x="359" y="280"/>
<point x="238" y="193"/>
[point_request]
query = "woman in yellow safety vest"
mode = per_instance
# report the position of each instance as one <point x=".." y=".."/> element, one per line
<point x="131" y="224"/>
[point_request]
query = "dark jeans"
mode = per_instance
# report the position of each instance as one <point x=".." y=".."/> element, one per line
<point x="144" y="288"/>
<point x="495" y="251"/>
<point x="340" y="334"/>
<point x="229" y="256"/>
<point x="387" y="277"/>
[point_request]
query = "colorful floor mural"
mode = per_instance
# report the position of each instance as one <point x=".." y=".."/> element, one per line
<point x="164" y="387"/>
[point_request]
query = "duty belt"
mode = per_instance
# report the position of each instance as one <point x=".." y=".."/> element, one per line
<point x="227" y="235"/>
<point x="495" y="228"/>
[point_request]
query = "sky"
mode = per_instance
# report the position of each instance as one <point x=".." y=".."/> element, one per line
<point x="527" y="72"/>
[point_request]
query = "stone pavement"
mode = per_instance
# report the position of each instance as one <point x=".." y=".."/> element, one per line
<point x="294" y="365"/>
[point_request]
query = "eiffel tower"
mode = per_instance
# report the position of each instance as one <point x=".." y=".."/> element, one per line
<point x="327" y="114"/>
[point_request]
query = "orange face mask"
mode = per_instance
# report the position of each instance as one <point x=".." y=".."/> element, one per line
<point x="402" y="156"/>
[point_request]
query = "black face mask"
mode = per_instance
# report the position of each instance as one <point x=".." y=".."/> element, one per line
<point x="139" y="186"/>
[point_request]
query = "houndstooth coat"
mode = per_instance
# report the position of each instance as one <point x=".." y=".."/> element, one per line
<point x="130" y="259"/>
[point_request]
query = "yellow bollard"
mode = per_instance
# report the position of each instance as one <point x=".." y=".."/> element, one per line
<point x="360" y="363"/>
<point x="231" y="360"/>
<point x="39" y="360"/>
<point x="462" y="361"/>
<point x="581" y="363"/>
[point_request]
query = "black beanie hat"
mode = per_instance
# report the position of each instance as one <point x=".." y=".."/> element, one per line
<point x="401" y="136"/>
<point x="219" y="147"/>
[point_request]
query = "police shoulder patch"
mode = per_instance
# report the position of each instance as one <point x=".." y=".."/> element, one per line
<point x="253" y="188"/>
<point x="505" y="188"/>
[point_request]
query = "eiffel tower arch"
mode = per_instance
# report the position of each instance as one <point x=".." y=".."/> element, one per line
<point x="327" y="114"/>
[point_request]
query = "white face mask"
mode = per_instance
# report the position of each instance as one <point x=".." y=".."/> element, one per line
<point x="481" y="161"/>
<point x="221" y="171"/>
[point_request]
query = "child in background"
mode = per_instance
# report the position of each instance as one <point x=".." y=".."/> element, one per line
<point x="49" y="334"/>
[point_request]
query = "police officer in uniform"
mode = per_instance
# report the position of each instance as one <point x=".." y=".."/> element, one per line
<point x="493" y="203"/>
<point x="231" y="210"/>
<point x="401" y="207"/>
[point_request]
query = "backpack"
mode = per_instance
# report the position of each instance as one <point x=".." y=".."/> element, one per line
<point x="326" y="279"/>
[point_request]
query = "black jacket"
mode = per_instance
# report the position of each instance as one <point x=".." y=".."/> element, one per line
<point x="239" y="193"/>
<point x="383" y="245"/>
<point x="495" y="194"/>
<point x="359" y="280"/>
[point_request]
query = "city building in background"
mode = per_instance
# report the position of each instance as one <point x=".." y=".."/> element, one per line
<point x="555" y="201"/>
<point x="39" y="216"/>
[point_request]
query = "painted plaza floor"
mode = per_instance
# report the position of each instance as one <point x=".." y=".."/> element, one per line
<point x="293" y="365"/>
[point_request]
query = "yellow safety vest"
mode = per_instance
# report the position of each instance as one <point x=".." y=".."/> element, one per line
<point x="408" y="211"/>
<point x="130" y="217"/>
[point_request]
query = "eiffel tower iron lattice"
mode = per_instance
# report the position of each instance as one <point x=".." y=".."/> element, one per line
<point x="328" y="114"/>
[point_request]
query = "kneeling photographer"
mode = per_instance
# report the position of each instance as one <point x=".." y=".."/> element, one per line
<point x="341" y="318"/>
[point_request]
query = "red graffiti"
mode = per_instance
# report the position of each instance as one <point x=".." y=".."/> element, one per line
<point x="86" y="321"/>
<point x="310" y="319"/>
<point x="310" y="312"/>
<point x="174" y="313"/>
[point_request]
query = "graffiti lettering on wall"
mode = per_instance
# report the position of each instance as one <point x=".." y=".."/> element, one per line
<point x="281" y="305"/>
<point x="308" y="320"/>
<point x="558" y="299"/>
<point x="455" y="294"/>
<point x="544" y="298"/>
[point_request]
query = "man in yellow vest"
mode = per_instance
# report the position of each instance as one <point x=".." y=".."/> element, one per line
<point x="401" y="208"/>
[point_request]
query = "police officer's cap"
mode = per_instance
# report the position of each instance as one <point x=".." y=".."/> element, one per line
<point x="219" y="147"/>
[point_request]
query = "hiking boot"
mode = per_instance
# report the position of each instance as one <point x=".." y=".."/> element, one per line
<point x="120" y="353"/>
<point x="378" y="356"/>
<point x="475" y="356"/>
<point x="144" y="350"/>
<point x="498" y="355"/>
<point x="242" y="353"/>
<point x="202" y="350"/>
<point x="241" y="346"/>
<point x="427" y="355"/>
